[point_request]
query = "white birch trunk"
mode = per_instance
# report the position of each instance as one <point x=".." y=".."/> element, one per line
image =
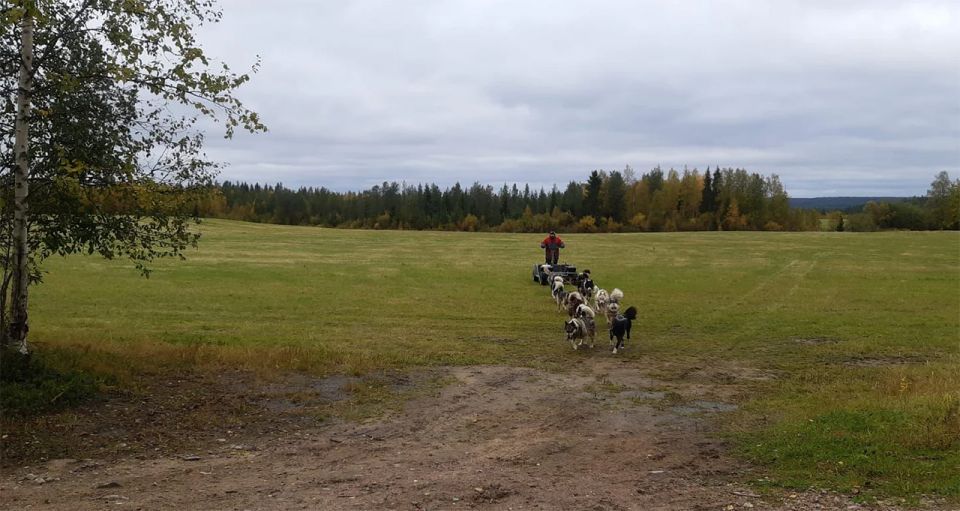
<point x="21" y="252"/>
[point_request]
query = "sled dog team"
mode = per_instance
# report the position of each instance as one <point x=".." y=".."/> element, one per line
<point x="582" y="325"/>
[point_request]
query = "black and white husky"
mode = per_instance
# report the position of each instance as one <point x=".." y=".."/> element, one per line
<point x="613" y="308"/>
<point x="585" y="313"/>
<point x="613" y="305"/>
<point x="600" y="299"/>
<point x="621" y="327"/>
<point x="559" y="295"/>
<point x="555" y="281"/>
<point x="572" y="301"/>
<point x="586" y="287"/>
<point x="616" y="295"/>
<point x="577" y="332"/>
<point x="584" y="310"/>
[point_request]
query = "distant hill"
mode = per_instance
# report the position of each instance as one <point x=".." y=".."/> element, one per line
<point x="838" y="203"/>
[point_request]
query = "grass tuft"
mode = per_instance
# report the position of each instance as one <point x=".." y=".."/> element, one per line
<point x="30" y="384"/>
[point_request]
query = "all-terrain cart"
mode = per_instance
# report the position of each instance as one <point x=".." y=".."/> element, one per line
<point x="542" y="273"/>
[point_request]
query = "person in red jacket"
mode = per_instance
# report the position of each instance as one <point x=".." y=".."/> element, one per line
<point x="552" y="245"/>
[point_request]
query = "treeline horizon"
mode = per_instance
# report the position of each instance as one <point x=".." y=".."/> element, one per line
<point x="616" y="201"/>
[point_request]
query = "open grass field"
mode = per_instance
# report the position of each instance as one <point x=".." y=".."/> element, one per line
<point x="851" y="341"/>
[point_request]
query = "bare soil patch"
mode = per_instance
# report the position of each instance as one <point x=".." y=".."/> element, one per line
<point x="604" y="436"/>
<point x="883" y="361"/>
<point x="815" y="341"/>
<point x="166" y="414"/>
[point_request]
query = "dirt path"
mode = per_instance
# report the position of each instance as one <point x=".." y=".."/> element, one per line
<point x="601" y="437"/>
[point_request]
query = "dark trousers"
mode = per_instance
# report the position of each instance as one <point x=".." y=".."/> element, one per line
<point x="552" y="256"/>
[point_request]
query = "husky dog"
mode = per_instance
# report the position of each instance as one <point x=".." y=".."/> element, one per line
<point x="585" y="313"/>
<point x="576" y="332"/>
<point x="600" y="300"/>
<point x="583" y="276"/>
<point x="555" y="281"/>
<point x="585" y="285"/>
<point x="613" y="308"/>
<point x="559" y="295"/>
<point x="584" y="310"/>
<point x="616" y="295"/>
<point x="571" y="302"/>
<point x="621" y="327"/>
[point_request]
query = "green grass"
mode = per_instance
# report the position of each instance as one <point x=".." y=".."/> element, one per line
<point x="31" y="385"/>
<point x="861" y="329"/>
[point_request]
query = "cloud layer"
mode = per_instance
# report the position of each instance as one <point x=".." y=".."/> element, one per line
<point x="839" y="98"/>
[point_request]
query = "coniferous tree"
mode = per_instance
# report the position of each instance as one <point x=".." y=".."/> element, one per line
<point x="708" y="199"/>
<point x="506" y="199"/>
<point x="720" y="202"/>
<point x="591" y="198"/>
<point x="654" y="179"/>
<point x="614" y="205"/>
<point x="572" y="200"/>
<point x="554" y="201"/>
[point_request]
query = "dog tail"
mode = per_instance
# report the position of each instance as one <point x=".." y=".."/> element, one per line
<point x="630" y="313"/>
<point x="585" y="310"/>
<point x="616" y="295"/>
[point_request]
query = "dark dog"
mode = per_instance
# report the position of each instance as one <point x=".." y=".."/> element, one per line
<point x="572" y="301"/>
<point x="586" y="287"/>
<point x="621" y="327"/>
<point x="582" y="276"/>
<point x="576" y="331"/>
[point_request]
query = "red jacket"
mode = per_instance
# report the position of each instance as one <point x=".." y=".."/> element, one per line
<point x="554" y="243"/>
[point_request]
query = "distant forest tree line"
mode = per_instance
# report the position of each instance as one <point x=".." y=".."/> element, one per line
<point x="939" y="209"/>
<point x="617" y="201"/>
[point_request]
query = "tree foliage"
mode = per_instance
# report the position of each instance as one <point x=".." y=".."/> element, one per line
<point x="939" y="209"/>
<point x="591" y="196"/>
<point x="116" y="163"/>
<point x="943" y="202"/>
<point x="675" y="203"/>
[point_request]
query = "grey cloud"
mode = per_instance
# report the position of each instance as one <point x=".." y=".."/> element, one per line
<point x="836" y="97"/>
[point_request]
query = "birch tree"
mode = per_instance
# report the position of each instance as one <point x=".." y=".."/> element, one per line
<point x="19" y="250"/>
<point x="94" y="159"/>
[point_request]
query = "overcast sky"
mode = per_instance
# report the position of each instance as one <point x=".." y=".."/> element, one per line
<point x="837" y="97"/>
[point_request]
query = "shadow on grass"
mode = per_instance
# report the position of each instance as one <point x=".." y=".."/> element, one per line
<point x="30" y="385"/>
